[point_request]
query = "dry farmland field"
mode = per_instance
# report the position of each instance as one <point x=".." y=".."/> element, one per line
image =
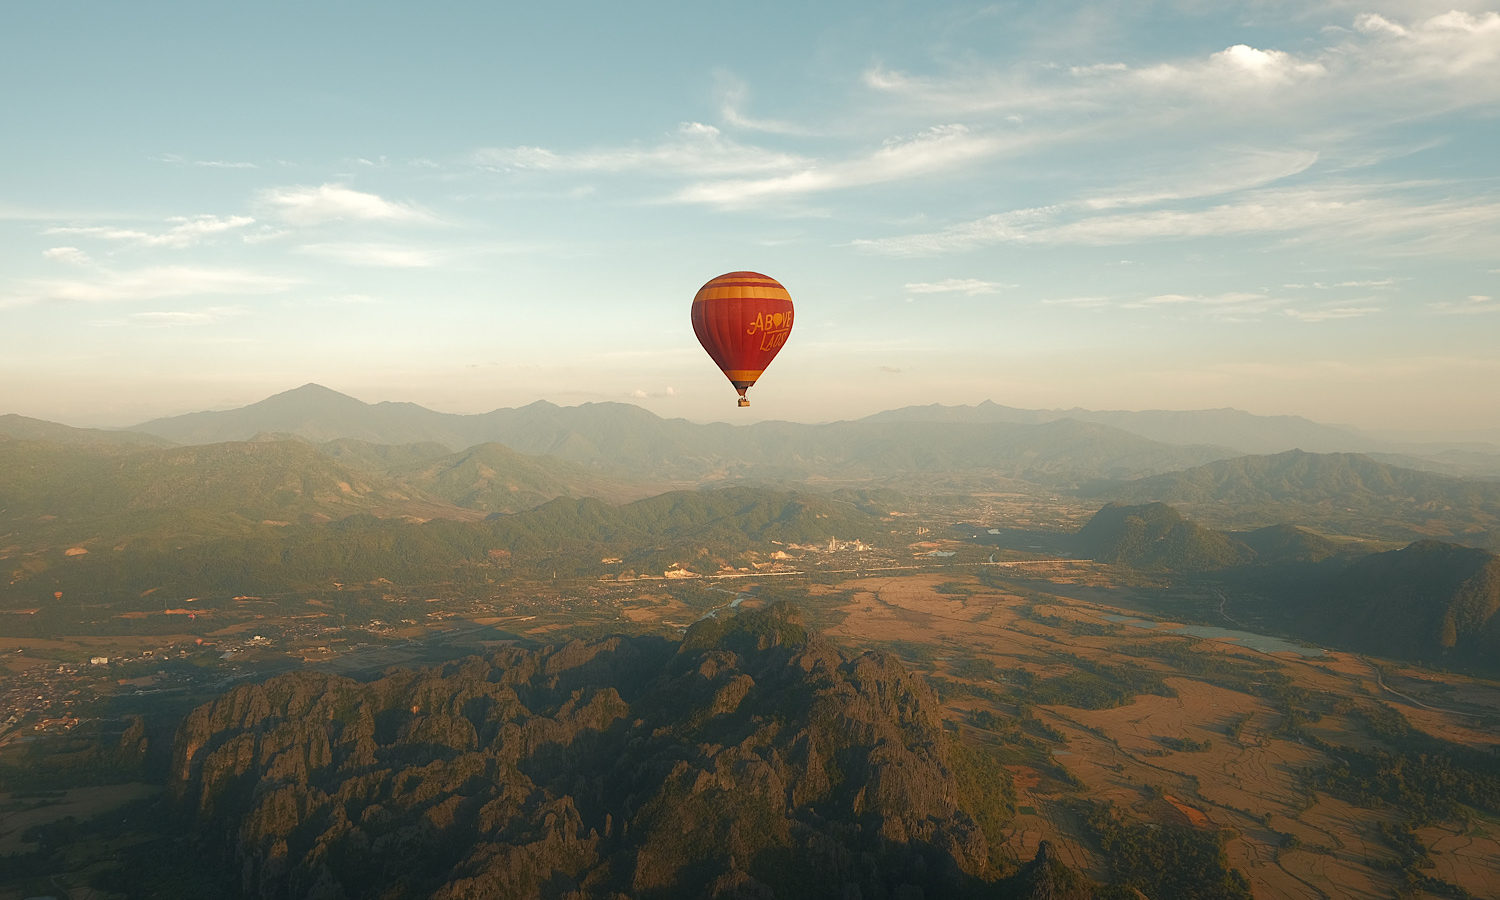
<point x="1088" y="701"/>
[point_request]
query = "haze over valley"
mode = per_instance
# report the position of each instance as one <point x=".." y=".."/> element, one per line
<point x="745" y="451"/>
<point x="1024" y="575"/>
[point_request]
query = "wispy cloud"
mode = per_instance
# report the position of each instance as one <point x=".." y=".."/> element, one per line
<point x="968" y="286"/>
<point x="1080" y="302"/>
<point x="377" y="255"/>
<point x="695" y="149"/>
<point x="938" y="149"/>
<point x="1336" y="285"/>
<point x="1474" y="304"/>
<point x="179" y="160"/>
<point x="170" y="318"/>
<point x="1241" y="72"/>
<point x="643" y="394"/>
<point x="734" y="95"/>
<point x="70" y="255"/>
<point x="1224" y="171"/>
<point x="304" y="205"/>
<point x="1331" y="313"/>
<point x="186" y="231"/>
<point x="1231" y="306"/>
<point x="1446" y="61"/>
<point x="1338" y="212"/>
<point x="152" y="283"/>
<point x="1445" y="47"/>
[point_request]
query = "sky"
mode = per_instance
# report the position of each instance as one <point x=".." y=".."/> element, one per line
<point x="1283" y="207"/>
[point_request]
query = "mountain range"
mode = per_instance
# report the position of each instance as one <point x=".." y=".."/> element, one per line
<point x="313" y="454"/>
<point x="595" y="433"/>
<point x="627" y="442"/>
<point x="1242" y="431"/>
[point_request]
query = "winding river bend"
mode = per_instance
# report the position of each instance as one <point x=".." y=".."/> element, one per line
<point x="1261" y="642"/>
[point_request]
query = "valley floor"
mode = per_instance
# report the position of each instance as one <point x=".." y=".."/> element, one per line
<point x="1049" y="664"/>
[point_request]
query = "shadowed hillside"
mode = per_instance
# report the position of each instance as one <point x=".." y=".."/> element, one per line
<point x="1155" y="536"/>
<point x="1429" y="601"/>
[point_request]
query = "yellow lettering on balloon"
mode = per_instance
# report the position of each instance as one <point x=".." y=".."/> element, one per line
<point x="771" y="324"/>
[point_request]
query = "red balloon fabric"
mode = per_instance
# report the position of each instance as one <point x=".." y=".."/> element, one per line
<point x="742" y="319"/>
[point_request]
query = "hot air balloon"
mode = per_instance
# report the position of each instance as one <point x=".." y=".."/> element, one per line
<point x="742" y="319"/>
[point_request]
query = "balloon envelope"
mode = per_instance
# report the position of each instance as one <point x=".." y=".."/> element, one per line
<point x="742" y="319"/>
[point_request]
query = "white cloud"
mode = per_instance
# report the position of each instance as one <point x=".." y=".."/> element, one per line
<point x="377" y="255"/>
<point x="936" y="150"/>
<point x="303" y="205"/>
<point x="1238" y="66"/>
<point x="187" y="231"/>
<point x="151" y="283"/>
<point x="733" y="95"/>
<point x="1234" y="306"/>
<point x="1331" y="313"/>
<point x="187" y="317"/>
<point x="1224" y="171"/>
<point x="265" y="233"/>
<point x="695" y="149"/>
<point x="1474" y="304"/>
<point x="968" y="286"/>
<point x="1381" y="68"/>
<point x="70" y="255"/>
<point x="1112" y="89"/>
<point x="1453" y="44"/>
<point x="1337" y="212"/>
<point x="1080" y="302"/>
<point x="178" y="159"/>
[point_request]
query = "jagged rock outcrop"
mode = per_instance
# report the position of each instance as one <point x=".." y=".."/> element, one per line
<point x="1046" y="878"/>
<point x="749" y="760"/>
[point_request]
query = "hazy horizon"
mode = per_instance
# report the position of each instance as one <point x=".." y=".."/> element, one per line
<point x="1280" y="207"/>
<point x="1480" y="437"/>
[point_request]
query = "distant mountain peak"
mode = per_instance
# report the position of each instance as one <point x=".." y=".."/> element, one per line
<point x="312" y="391"/>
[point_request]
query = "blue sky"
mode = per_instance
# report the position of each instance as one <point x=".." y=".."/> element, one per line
<point x="1282" y="207"/>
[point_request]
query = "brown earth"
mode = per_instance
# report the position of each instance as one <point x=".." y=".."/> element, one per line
<point x="1249" y="784"/>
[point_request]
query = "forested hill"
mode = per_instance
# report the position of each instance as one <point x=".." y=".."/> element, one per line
<point x="495" y="478"/>
<point x="698" y="530"/>
<point x="1340" y="491"/>
<point x="109" y="494"/>
<point x="28" y="429"/>
<point x="1155" y="536"/>
<point x="1430" y="601"/>
<point x="750" y="760"/>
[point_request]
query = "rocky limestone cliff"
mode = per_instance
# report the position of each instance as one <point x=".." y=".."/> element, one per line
<point x="749" y="760"/>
